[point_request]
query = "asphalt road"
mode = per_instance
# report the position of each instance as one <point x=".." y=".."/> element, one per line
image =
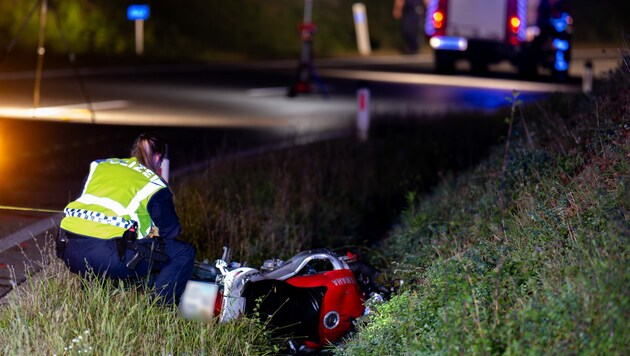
<point x="252" y="95"/>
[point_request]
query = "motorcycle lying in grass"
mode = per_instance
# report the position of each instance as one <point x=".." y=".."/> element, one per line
<point x="312" y="299"/>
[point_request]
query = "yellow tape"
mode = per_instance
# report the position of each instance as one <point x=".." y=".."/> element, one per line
<point x="19" y="208"/>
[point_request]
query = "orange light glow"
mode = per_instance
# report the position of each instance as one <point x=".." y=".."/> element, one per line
<point x="438" y="19"/>
<point x="49" y="113"/>
<point x="4" y="152"/>
<point x="515" y="23"/>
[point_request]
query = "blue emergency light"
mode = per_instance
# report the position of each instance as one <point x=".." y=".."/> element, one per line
<point x="561" y="23"/>
<point x="138" y="12"/>
<point x="561" y="45"/>
<point x="561" y="64"/>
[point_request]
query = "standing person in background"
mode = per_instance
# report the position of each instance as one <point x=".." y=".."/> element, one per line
<point x="410" y="12"/>
<point x="124" y="225"/>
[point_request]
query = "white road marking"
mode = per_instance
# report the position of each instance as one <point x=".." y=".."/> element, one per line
<point x="79" y="112"/>
<point x="264" y="92"/>
<point x="453" y="81"/>
<point x="102" y="105"/>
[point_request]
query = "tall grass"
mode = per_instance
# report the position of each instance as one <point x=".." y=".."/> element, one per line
<point x="339" y="193"/>
<point x="535" y="261"/>
<point x="56" y="312"/>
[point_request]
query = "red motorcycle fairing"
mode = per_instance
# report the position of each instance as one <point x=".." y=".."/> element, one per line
<point x="311" y="299"/>
<point x="312" y="309"/>
<point x="341" y="305"/>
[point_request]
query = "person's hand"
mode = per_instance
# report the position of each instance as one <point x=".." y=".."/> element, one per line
<point x="397" y="10"/>
<point x="155" y="232"/>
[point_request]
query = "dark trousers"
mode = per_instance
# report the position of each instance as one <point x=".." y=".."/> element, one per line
<point x="412" y="25"/>
<point x="87" y="256"/>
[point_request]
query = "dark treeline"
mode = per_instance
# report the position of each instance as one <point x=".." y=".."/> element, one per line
<point x="201" y="29"/>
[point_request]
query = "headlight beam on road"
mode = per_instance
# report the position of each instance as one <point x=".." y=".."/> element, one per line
<point x="453" y="81"/>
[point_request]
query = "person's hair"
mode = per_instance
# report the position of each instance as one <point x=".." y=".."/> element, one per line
<point x="147" y="145"/>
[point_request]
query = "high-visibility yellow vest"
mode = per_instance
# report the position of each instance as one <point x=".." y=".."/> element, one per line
<point x="114" y="198"/>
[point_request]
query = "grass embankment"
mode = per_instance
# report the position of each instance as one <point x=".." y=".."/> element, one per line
<point x="531" y="259"/>
<point x="55" y="312"/>
<point x="339" y="193"/>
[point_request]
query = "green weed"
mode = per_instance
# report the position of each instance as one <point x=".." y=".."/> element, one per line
<point x="56" y="312"/>
<point x="545" y="272"/>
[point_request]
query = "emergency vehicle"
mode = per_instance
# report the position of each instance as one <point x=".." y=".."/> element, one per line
<point x="531" y="34"/>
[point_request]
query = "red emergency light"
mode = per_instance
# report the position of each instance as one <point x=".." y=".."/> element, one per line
<point x="515" y="24"/>
<point x="436" y="17"/>
<point x="516" y="20"/>
<point x="438" y="20"/>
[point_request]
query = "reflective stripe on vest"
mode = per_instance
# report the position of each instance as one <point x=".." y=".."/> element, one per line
<point x="99" y="218"/>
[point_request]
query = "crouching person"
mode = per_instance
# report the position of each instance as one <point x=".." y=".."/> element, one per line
<point x="111" y="229"/>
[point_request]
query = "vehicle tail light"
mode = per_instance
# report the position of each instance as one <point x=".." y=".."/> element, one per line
<point x="438" y="20"/>
<point x="435" y="24"/>
<point x="517" y="21"/>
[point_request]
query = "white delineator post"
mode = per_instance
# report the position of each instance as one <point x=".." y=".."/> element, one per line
<point x="139" y="37"/>
<point x="361" y="28"/>
<point x="587" y="78"/>
<point x="139" y="13"/>
<point x="164" y="168"/>
<point x="363" y="113"/>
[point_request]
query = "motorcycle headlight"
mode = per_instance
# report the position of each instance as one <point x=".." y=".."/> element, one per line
<point x="331" y="320"/>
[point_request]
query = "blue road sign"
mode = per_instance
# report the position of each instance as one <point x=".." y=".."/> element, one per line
<point x="138" y="12"/>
